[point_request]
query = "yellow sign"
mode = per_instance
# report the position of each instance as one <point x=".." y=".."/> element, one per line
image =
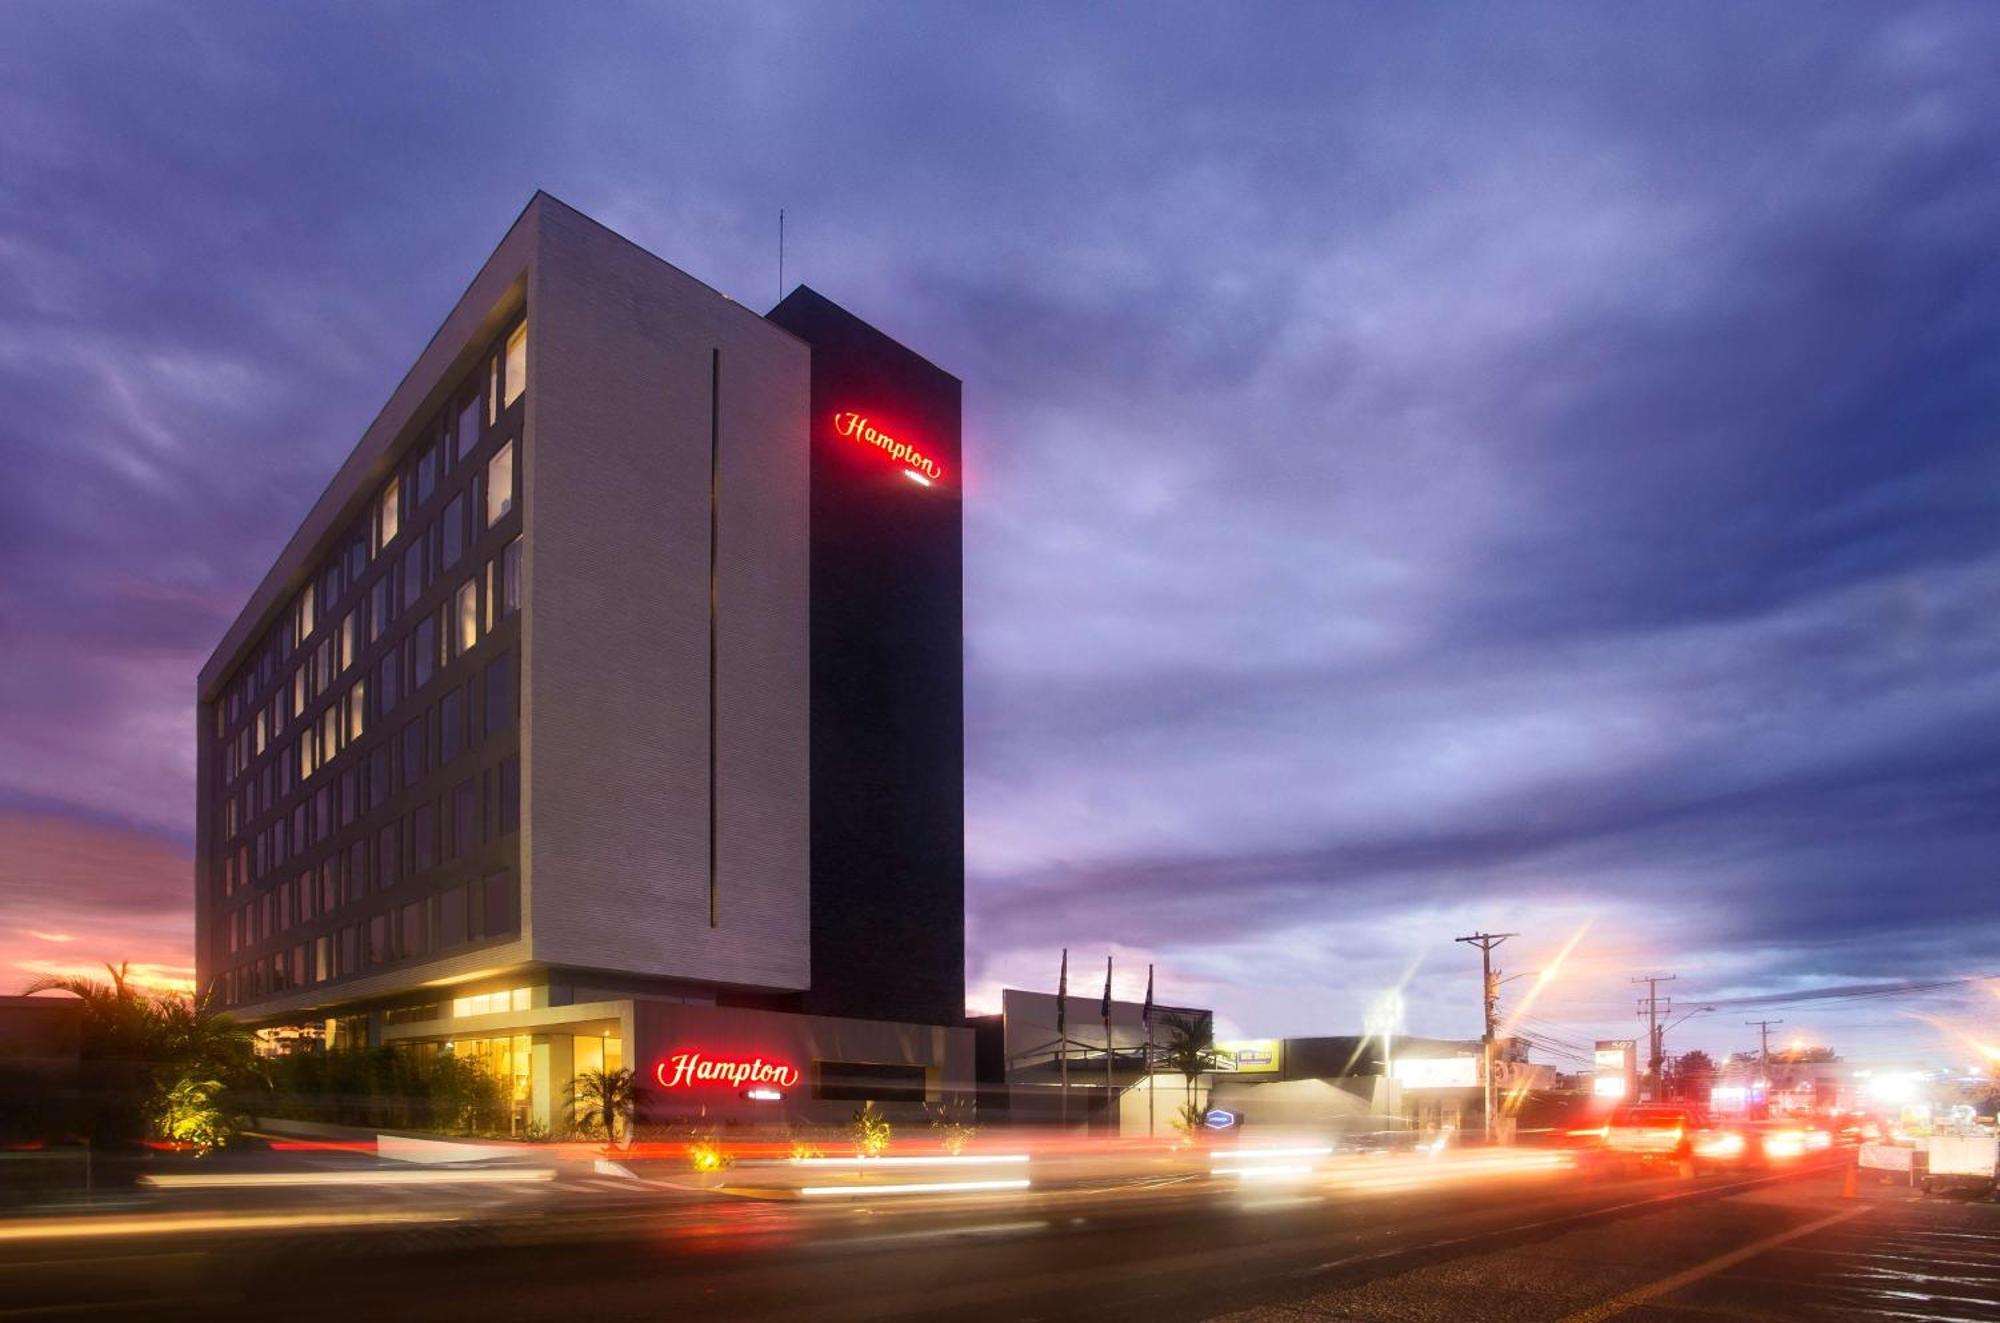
<point x="1253" y="1056"/>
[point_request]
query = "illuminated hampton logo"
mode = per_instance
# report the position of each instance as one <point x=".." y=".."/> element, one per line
<point x="917" y="466"/>
<point x="692" y="1070"/>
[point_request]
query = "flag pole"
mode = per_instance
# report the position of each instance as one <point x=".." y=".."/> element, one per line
<point x="1062" y="1037"/>
<point x="1110" y="1089"/>
<point x="1147" y="1016"/>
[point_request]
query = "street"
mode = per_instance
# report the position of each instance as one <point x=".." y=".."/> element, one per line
<point x="1426" y="1243"/>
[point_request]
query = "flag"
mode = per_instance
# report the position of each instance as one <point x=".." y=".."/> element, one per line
<point x="1146" y="1011"/>
<point x="1062" y="997"/>
<point x="1104" y="1008"/>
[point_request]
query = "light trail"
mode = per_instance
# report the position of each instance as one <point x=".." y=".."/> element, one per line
<point x="427" y="1176"/>
<point x="914" y="1187"/>
<point x="90" y="1228"/>
<point x="941" y="1160"/>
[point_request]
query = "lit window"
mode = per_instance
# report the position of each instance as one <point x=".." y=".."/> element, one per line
<point x="263" y="733"/>
<point x="347" y="633"/>
<point x="510" y="578"/>
<point x="517" y="362"/>
<point x="387" y="517"/>
<point x="357" y="707"/>
<point x="500" y="484"/>
<point x="298" y="691"/>
<point x="468" y="615"/>
<point x="305" y="617"/>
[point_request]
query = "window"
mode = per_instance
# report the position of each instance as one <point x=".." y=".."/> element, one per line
<point x="412" y="928"/>
<point x="387" y="513"/>
<point x="858" y="1081"/>
<point x="451" y="917"/>
<point x="500" y="484"/>
<point x="510" y="578"/>
<point x="387" y="680"/>
<point x="381" y="606"/>
<point x="357" y="560"/>
<point x="468" y="616"/>
<point x="423" y="838"/>
<point x="356" y="881"/>
<point x="415" y="752"/>
<point x="427" y="473"/>
<point x="517" y="362"/>
<point x="378" y="776"/>
<point x="451" y="530"/>
<point x="387" y="865"/>
<point x="413" y="574"/>
<point x="424" y="645"/>
<point x="468" y="426"/>
<point x="492" y="390"/>
<point x="452" y="723"/>
<point x="347" y="638"/>
<point x="305" y="612"/>
<point x="510" y="794"/>
<point x="497" y="908"/>
<point x="378" y="940"/>
<point x="499" y="693"/>
<point x="464" y="819"/>
<point x="329" y="886"/>
<point x="263" y="731"/>
<point x="298" y="691"/>
<point x="322" y="960"/>
<point x="357" y="709"/>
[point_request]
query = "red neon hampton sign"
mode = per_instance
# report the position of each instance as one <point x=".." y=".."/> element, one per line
<point x="693" y="1070"/>
<point x="916" y="464"/>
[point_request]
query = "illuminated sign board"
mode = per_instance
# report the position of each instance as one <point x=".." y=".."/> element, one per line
<point x="1614" y="1068"/>
<point x="1252" y="1056"/>
<point x="1437" y="1072"/>
<point x="695" y="1070"/>
<point x="917" y="466"/>
<point x="1219" y="1118"/>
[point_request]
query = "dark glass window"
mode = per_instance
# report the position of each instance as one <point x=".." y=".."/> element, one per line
<point x="499" y="693"/>
<point x="357" y="872"/>
<point x="413" y="573"/>
<point x="510" y="794"/>
<point x="861" y="1081"/>
<point x="412" y="926"/>
<point x="497" y="912"/>
<point x="451" y="529"/>
<point x="451" y="917"/>
<point x="424" y="646"/>
<point x="423" y="837"/>
<point x="415" y="752"/>
<point x="378" y="940"/>
<point x="464" y="819"/>
<point x="451" y="724"/>
<point x="388" y="677"/>
<point x="387" y="866"/>
<point x="510" y="578"/>
<point x="427" y="474"/>
<point x="378" y="776"/>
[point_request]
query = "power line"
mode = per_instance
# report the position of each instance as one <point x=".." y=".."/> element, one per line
<point x="1489" y="986"/>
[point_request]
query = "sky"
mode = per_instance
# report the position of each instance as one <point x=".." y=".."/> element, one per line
<point x="1429" y="469"/>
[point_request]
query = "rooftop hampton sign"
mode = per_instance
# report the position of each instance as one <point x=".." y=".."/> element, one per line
<point x="917" y="466"/>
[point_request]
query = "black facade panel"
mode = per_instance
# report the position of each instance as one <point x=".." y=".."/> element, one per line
<point x="887" y="704"/>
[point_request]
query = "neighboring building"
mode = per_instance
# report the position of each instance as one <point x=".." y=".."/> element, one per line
<point x="1033" y="1073"/>
<point x="606" y="708"/>
<point x="1360" y="1083"/>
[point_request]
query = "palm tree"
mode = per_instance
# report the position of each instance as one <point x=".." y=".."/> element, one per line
<point x="599" y="1099"/>
<point x="1190" y="1052"/>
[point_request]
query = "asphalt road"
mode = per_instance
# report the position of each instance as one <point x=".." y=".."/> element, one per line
<point x="1553" y="1246"/>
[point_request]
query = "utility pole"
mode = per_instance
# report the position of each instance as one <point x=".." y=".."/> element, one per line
<point x="1763" y="1028"/>
<point x="1651" y="1003"/>
<point x="1489" y="991"/>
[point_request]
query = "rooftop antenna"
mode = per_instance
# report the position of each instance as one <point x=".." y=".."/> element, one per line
<point x="781" y="254"/>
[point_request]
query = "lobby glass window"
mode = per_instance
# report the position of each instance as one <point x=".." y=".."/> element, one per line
<point x="451" y="530"/>
<point x="424" y="652"/>
<point x="388" y="513"/>
<point x="468" y="616"/>
<point x="597" y="1052"/>
<point x="510" y="578"/>
<point x="858" y="1081"/>
<point x="517" y="362"/>
<point x="467" y="435"/>
<point x="500" y="484"/>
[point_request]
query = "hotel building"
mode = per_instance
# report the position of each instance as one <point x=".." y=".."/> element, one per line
<point x="606" y="708"/>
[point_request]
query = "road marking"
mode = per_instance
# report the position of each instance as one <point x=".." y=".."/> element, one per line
<point x="1618" y="1304"/>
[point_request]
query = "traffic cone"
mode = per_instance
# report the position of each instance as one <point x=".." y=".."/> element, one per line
<point x="1847" y="1186"/>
